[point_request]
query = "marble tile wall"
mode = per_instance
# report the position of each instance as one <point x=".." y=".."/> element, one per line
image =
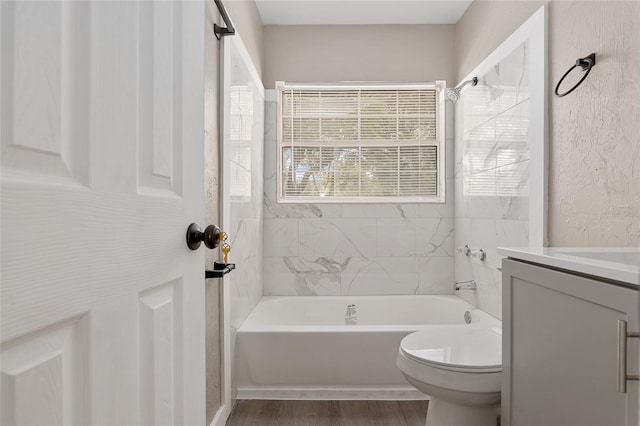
<point x="244" y="142"/>
<point x="491" y="175"/>
<point x="355" y="249"/>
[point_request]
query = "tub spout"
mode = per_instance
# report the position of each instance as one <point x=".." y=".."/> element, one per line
<point x="466" y="285"/>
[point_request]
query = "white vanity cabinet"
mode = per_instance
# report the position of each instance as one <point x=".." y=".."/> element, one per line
<point x="561" y="348"/>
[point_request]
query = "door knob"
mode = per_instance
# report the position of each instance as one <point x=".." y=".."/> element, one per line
<point x="211" y="236"/>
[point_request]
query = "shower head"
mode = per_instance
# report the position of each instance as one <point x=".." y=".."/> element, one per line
<point x="454" y="94"/>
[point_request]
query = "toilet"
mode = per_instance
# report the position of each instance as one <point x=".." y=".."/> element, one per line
<point x="459" y="367"/>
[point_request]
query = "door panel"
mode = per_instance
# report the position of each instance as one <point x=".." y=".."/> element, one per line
<point x="159" y="33"/>
<point x="45" y="103"/>
<point x="102" y="131"/>
<point x="45" y="376"/>
<point x="160" y="325"/>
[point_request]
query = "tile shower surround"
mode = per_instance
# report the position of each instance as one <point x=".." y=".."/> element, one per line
<point x="360" y="249"/>
<point x="491" y="146"/>
<point x="245" y="153"/>
<point x="354" y="249"/>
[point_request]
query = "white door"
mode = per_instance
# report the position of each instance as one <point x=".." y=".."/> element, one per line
<point x="102" y="129"/>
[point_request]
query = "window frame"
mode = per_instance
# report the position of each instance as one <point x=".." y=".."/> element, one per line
<point x="438" y="86"/>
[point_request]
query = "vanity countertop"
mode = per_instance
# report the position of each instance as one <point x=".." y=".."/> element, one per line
<point x="618" y="264"/>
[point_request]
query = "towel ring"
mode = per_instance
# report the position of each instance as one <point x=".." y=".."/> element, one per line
<point x="586" y="64"/>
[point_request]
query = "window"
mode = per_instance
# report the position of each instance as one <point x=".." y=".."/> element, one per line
<point x="360" y="143"/>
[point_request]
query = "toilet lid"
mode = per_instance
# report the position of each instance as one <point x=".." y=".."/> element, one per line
<point x="462" y="348"/>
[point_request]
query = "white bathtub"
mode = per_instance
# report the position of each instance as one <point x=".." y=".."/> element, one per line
<point x="300" y="347"/>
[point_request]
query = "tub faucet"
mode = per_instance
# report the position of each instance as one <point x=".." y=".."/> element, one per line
<point x="466" y="285"/>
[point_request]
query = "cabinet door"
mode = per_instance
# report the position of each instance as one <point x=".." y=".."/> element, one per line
<point x="560" y="349"/>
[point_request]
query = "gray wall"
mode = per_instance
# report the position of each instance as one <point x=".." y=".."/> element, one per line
<point x="329" y="53"/>
<point x="246" y="18"/>
<point x="594" y="191"/>
<point x="483" y="27"/>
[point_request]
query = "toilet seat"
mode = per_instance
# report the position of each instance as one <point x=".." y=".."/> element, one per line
<point x="459" y="367"/>
<point x="466" y="349"/>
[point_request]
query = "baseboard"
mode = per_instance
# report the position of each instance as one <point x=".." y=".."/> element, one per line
<point x="399" y="393"/>
<point x="221" y="417"/>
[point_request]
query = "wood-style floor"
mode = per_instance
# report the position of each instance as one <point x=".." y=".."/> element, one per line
<point x="328" y="413"/>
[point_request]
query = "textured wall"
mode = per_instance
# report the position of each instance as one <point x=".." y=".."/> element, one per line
<point x="594" y="196"/>
<point x="328" y="53"/>
<point x="355" y="249"/>
<point x="594" y="189"/>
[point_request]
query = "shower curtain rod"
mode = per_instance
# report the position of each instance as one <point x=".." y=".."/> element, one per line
<point x="223" y="31"/>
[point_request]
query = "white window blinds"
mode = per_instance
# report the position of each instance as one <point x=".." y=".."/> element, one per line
<point x="370" y="143"/>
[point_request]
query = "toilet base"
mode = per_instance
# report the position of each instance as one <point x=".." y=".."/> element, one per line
<point x="444" y="413"/>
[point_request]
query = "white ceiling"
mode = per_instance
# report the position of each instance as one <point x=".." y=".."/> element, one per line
<point x="360" y="12"/>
